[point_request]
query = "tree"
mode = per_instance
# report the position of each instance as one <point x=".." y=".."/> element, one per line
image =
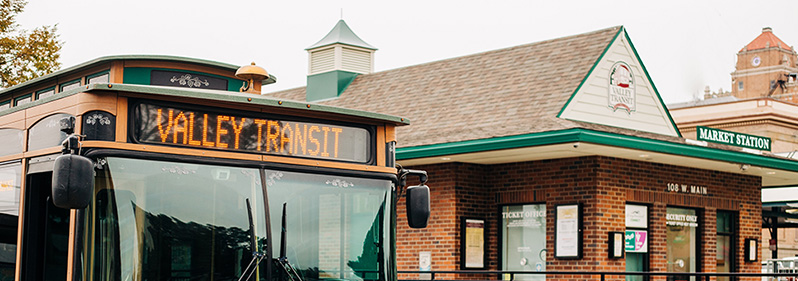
<point x="25" y="55"/>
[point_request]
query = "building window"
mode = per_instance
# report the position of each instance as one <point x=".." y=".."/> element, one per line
<point x="636" y="241"/>
<point x="725" y="244"/>
<point x="740" y="86"/>
<point x="523" y="234"/>
<point x="681" y="254"/>
<point x="5" y="105"/>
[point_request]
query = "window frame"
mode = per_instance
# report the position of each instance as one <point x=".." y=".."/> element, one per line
<point x="39" y="92"/>
<point x="20" y="98"/>
<point x="98" y="74"/>
<point x="68" y="83"/>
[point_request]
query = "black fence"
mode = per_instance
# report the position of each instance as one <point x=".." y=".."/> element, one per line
<point x="588" y="275"/>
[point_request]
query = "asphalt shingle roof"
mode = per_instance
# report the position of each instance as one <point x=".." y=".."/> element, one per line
<point x="512" y="91"/>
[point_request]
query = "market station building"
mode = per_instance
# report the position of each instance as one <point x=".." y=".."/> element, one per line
<point x="542" y="155"/>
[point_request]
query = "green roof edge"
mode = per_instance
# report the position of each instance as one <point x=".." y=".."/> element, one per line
<point x="595" y="137"/>
<point x="595" y="64"/>
<point x="661" y="102"/>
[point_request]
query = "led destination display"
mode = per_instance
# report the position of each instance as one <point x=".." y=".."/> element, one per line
<point x="259" y="134"/>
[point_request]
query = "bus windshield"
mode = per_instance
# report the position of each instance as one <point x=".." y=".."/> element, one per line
<point x="157" y="220"/>
<point x="336" y="226"/>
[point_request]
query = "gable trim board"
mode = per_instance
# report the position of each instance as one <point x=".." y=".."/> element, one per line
<point x="654" y="87"/>
<point x="595" y="137"/>
<point x="587" y="104"/>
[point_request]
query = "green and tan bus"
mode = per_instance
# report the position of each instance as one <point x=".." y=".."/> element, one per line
<point x="170" y="168"/>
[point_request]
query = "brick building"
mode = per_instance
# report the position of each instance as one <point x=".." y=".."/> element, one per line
<point x="766" y="67"/>
<point x="763" y="103"/>
<point x="539" y="154"/>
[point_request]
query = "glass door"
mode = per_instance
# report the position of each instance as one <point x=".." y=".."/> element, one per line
<point x="681" y="247"/>
<point x="725" y="249"/>
<point x="524" y="240"/>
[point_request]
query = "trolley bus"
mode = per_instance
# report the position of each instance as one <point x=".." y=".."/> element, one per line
<point x="170" y="168"/>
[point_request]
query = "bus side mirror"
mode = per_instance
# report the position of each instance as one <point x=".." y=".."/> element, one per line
<point x="73" y="181"/>
<point x="418" y="206"/>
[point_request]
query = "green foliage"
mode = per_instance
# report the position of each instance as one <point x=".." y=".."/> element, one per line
<point x="25" y="55"/>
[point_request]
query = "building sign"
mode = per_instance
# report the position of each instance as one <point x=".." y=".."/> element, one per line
<point x="636" y="241"/>
<point x="567" y="232"/>
<point x="676" y="219"/>
<point x="474" y="243"/>
<point x="636" y="216"/>
<point x="202" y="128"/>
<point x="622" y="88"/>
<point x="732" y="138"/>
<point x="684" y="188"/>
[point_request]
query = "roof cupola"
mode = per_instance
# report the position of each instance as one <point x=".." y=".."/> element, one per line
<point x="335" y="60"/>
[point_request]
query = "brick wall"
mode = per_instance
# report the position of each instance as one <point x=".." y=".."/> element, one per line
<point x="602" y="185"/>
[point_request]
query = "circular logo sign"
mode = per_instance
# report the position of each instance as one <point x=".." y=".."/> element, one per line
<point x="622" y="88"/>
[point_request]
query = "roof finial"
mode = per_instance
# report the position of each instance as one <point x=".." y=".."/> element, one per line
<point x="342" y="13"/>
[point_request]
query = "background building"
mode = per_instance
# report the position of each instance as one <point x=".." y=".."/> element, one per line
<point x="766" y="67"/>
<point x="762" y="103"/>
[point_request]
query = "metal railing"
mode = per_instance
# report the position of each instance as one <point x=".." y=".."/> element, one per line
<point x="585" y="275"/>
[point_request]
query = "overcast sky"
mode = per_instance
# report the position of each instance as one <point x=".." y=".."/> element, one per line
<point x="685" y="45"/>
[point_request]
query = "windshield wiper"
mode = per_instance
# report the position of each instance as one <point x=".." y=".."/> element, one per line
<point x="288" y="269"/>
<point x="257" y="257"/>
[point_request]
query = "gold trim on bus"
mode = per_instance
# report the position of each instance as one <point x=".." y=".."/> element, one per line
<point x="43" y="151"/>
<point x="21" y="219"/>
<point x="237" y="156"/>
<point x="380" y="146"/>
<point x="12" y="157"/>
<point x="73" y="216"/>
<point x="121" y="119"/>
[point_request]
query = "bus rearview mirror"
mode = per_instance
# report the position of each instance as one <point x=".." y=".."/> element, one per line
<point x="418" y="206"/>
<point x="73" y="181"/>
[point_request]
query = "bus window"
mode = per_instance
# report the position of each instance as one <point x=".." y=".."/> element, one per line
<point x="173" y="221"/>
<point x="10" y="176"/>
<point x="47" y="132"/>
<point x="45" y="246"/>
<point x="336" y="226"/>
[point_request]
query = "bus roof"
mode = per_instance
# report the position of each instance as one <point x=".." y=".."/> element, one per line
<point x="217" y="95"/>
<point x="205" y="94"/>
<point x="108" y="59"/>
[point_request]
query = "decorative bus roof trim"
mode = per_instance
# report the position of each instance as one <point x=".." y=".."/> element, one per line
<point x="108" y="59"/>
<point x="215" y="95"/>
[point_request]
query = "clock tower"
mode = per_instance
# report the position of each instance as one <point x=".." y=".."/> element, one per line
<point x="766" y="67"/>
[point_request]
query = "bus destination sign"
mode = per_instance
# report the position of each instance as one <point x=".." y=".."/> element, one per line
<point x="257" y="134"/>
